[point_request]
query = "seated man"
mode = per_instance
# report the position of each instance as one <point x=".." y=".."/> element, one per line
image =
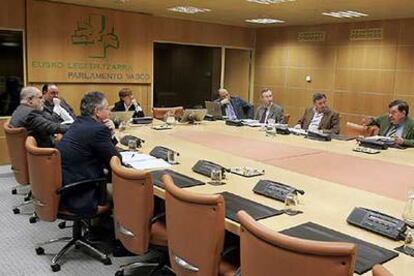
<point x="269" y="110"/>
<point x="396" y="124"/>
<point x="127" y="102"/>
<point x="319" y="117"/>
<point x="29" y="114"/>
<point x="234" y="107"/>
<point x="86" y="150"/>
<point x="57" y="107"/>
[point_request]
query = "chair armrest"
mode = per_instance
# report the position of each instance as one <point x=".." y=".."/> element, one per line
<point x="157" y="217"/>
<point x="238" y="272"/>
<point x="73" y="186"/>
<point x="229" y="250"/>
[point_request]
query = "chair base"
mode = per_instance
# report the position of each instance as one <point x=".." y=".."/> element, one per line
<point x="156" y="259"/>
<point x="77" y="241"/>
<point x="17" y="208"/>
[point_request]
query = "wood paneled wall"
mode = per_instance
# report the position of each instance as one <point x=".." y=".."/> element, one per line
<point x="359" y="77"/>
<point x="12" y="14"/>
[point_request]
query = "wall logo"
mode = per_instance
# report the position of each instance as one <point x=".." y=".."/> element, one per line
<point x="95" y="31"/>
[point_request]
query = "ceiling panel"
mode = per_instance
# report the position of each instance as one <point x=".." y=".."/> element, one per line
<point x="234" y="12"/>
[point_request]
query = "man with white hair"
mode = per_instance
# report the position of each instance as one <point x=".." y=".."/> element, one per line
<point x="30" y="116"/>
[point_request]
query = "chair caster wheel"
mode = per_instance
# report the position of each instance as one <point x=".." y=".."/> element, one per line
<point x="55" y="267"/>
<point x="40" y="251"/>
<point x="16" y="211"/>
<point x="107" y="261"/>
<point x="14" y="191"/>
<point x="33" y="219"/>
<point x="62" y="225"/>
<point x="119" y="273"/>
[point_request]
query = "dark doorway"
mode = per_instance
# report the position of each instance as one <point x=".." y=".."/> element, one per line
<point x="185" y="75"/>
<point x="11" y="70"/>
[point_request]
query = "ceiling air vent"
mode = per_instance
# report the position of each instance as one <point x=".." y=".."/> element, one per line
<point x="311" y="36"/>
<point x="367" y="34"/>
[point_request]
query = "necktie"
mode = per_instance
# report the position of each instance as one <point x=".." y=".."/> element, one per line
<point x="392" y="130"/>
<point x="263" y="118"/>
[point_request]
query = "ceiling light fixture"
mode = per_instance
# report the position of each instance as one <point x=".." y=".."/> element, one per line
<point x="345" y="14"/>
<point x="264" y="21"/>
<point x="268" y="2"/>
<point x="188" y="9"/>
<point x="10" y="44"/>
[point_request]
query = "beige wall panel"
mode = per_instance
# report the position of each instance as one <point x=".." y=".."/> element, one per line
<point x="404" y="83"/>
<point x="406" y="35"/>
<point x="12" y="14"/>
<point x="296" y="77"/>
<point x="101" y="41"/>
<point x="270" y="76"/>
<point x="373" y="81"/>
<point x="322" y="79"/>
<point x="273" y="57"/>
<point x="405" y="58"/>
<point x="4" y="155"/>
<point x="237" y="72"/>
<point x="358" y="103"/>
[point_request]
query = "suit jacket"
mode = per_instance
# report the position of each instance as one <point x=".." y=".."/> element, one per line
<point x="119" y="106"/>
<point x="329" y="122"/>
<point x="48" y="108"/>
<point x="275" y="112"/>
<point x="243" y="109"/>
<point x="384" y="124"/>
<point x="38" y="124"/>
<point x="86" y="150"/>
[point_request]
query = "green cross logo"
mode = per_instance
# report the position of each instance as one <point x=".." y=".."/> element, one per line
<point x="94" y="30"/>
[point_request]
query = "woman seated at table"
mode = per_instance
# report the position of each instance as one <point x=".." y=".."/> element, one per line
<point x="127" y="102"/>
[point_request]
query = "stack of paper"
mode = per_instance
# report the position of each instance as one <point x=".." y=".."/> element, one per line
<point x="143" y="161"/>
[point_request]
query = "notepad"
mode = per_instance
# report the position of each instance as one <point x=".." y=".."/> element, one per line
<point x="143" y="161"/>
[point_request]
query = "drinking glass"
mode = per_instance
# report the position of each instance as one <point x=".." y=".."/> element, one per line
<point x="216" y="176"/>
<point x="132" y="145"/>
<point x="171" y="157"/>
<point x="408" y="217"/>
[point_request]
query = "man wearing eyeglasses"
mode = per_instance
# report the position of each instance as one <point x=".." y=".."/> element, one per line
<point x="29" y="114"/>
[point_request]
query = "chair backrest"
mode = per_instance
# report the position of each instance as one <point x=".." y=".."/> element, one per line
<point x="159" y="112"/>
<point x="379" y="270"/>
<point x="353" y="130"/>
<point x="286" y="118"/>
<point x="195" y="227"/>
<point x="45" y="172"/>
<point x="267" y="252"/>
<point x="132" y="192"/>
<point x="16" y="138"/>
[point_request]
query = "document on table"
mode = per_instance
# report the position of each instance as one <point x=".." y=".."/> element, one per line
<point x="143" y="161"/>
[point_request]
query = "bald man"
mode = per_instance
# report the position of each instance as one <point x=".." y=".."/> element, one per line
<point x="234" y="107"/>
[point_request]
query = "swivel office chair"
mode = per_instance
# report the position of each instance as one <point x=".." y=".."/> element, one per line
<point x="45" y="172"/>
<point x="135" y="226"/>
<point x="267" y="252"/>
<point x="195" y="226"/>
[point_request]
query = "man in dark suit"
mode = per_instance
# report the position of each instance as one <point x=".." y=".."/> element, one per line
<point x="234" y="107"/>
<point x="127" y="102"/>
<point x="319" y="117"/>
<point x="396" y="124"/>
<point x="86" y="150"/>
<point x="268" y="109"/>
<point x="29" y="114"/>
<point x="55" y="106"/>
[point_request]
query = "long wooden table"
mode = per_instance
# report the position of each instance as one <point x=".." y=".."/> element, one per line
<point x="325" y="202"/>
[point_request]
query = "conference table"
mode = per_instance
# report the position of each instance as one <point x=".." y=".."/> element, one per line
<point x="335" y="178"/>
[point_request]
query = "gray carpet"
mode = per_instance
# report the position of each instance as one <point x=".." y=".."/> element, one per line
<point x="18" y="239"/>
